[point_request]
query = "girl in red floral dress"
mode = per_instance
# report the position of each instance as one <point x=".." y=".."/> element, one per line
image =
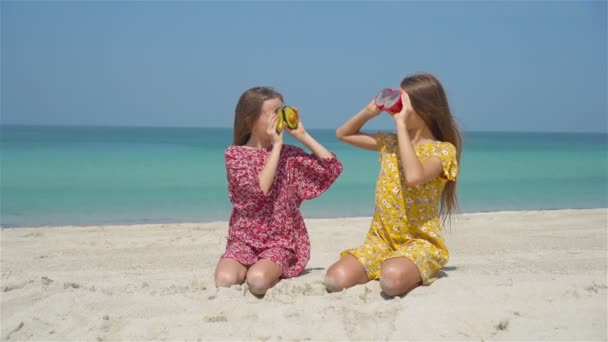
<point x="267" y="182"/>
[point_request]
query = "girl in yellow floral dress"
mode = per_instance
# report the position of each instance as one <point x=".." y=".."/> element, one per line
<point x="416" y="188"/>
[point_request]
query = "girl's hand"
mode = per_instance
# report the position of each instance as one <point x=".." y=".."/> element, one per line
<point x="406" y="111"/>
<point x="275" y="138"/>
<point x="299" y="132"/>
<point x="372" y="109"/>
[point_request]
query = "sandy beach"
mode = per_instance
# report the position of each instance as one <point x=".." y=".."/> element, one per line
<point x="537" y="275"/>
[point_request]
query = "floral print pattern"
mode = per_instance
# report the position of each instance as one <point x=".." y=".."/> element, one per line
<point x="270" y="226"/>
<point x="406" y="218"/>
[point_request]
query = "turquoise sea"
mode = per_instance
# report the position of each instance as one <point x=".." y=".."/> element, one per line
<point x="95" y="175"/>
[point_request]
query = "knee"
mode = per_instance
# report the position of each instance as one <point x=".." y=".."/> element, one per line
<point x="259" y="282"/>
<point x="393" y="281"/>
<point x="227" y="279"/>
<point x="336" y="279"/>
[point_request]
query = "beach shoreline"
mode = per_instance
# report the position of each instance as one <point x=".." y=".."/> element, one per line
<point x="143" y="224"/>
<point x="512" y="275"/>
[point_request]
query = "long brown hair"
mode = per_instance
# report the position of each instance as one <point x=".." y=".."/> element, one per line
<point x="248" y="110"/>
<point x="431" y="104"/>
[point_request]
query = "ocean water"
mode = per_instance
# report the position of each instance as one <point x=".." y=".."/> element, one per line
<point x="95" y="175"/>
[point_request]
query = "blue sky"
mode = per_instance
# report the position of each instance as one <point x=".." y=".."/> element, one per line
<point x="507" y="66"/>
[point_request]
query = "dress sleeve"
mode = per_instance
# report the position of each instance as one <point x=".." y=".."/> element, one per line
<point x="244" y="188"/>
<point x="447" y="153"/>
<point x="312" y="176"/>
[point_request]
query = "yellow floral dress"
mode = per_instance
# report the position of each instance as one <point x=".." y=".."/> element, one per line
<point x="406" y="218"/>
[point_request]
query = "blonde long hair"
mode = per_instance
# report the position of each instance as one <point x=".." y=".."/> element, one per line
<point x="431" y="104"/>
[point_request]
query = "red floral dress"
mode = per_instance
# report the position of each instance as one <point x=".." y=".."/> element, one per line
<point x="270" y="226"/>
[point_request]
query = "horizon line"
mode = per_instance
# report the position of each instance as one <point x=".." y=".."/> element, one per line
<point x="312" y="128"/>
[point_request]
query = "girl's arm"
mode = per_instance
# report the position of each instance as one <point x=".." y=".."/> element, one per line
<point x="416" y="172"/>
<point x="312" y="174"/>
<point x="267" y="174"/>
<point x="315" y="147"/>
<point x="350" y="133"/>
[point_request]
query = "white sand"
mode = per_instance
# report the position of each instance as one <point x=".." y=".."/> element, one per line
<point x="511" y="276"/>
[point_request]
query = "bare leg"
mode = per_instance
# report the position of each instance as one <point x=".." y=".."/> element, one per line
<point x="345" y="273"/>
<point x="399" y="276"/>
<point x="263" y="275"/>
<point x="229" y="272"/>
